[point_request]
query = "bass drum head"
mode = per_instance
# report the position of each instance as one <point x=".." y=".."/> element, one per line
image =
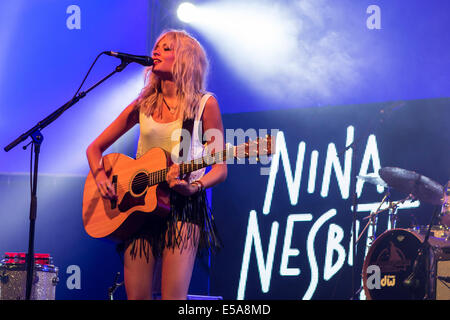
<point x="393" y="252"/>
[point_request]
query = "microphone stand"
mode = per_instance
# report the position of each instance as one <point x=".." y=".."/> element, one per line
<point x="353" y="176"/>
<point x="35" y="134"/>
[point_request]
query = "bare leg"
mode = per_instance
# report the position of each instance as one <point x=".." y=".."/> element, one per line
<point x="177" y="266"/>
<point x="138" y="275"/>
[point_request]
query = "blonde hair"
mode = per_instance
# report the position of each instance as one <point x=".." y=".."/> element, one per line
<point x="189" y="72"/>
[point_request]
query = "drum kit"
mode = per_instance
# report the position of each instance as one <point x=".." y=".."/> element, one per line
<point x="412" y="263"/>
<point x="13" y="277"/>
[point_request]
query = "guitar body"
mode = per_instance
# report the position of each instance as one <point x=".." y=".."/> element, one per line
<point x="142" y="189"/>
<point x="137" y="200"/>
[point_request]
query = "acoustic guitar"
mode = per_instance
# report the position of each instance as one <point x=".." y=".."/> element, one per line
<point x="142" y="188"/>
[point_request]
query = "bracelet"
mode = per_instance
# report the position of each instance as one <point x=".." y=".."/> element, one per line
<point x="196" y="184"/>
<point x="202" y="186"/>
<point x="199" y="184"/>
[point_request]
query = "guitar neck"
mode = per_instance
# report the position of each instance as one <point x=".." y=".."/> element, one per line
<point x="203" y="162"/>
<point x="194" y="165"/>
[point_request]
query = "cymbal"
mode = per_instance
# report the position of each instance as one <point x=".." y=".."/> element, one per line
<point x="373" y="179"/>
<point x="411" y="182"/>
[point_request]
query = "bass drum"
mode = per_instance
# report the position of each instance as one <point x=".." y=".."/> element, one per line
<point x="393" y="254"/>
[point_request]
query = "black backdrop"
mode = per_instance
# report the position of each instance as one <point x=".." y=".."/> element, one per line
<point x="410" y="135"/>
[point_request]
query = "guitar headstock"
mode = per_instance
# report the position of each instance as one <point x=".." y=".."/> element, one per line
<point x="257" y="148"/>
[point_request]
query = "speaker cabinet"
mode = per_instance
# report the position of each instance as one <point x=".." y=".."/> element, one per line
<point x="443" y="280"/>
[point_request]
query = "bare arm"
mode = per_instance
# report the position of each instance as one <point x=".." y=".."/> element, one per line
<point x="212" y="120"/>
<point x="124" y="122"/>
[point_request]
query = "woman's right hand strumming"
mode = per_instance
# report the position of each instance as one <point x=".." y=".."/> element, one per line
<point x="105" y="186"/>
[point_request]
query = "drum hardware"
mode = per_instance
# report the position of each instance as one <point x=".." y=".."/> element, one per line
<point x="415" y="270"/>
<point x="13" y="277"/>
<point x="4" y="277"/>
<point x="376" y="180"/>
<point x="373" y="216"/>
<point x="395" y="253"/>
<point x="421" y="188"/>
<point x="392" y="208"/>
<point x="114" y="287"/>
<point x="445" y="210"/>
<point x="55" y="281"/>
<point x="444" y="279"/>
<point x="373" y="179"/>
<point x="437" y="231"/>
<point x="412" y="280"/>
<point x="355" y="146"/>
<point x="410" y="182"/>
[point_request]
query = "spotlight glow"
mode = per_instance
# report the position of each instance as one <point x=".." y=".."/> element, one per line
<point x="282" y="49"/>
<point x="187" y="12"/>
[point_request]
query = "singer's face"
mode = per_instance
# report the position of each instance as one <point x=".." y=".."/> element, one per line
<point x="163" y="58"/>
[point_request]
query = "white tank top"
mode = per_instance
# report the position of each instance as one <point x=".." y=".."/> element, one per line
<point x="167" y="137"/>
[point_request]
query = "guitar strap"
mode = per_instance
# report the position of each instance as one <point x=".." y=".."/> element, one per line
<point x="188" y="125"/>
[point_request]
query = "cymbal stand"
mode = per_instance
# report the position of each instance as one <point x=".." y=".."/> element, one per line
<point x="373" y="215"/>
<point x="392" y="208"/>
<point x="392" y="217"/>
<point x="355" y="145"/>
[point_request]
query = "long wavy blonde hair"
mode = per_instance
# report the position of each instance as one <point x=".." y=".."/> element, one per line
<point x="189" y="72"/>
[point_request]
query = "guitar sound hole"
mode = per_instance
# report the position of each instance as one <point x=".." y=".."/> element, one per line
<point x="140" y="183"/>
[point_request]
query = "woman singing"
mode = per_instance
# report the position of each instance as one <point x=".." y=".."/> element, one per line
<point x="174" y="94"/>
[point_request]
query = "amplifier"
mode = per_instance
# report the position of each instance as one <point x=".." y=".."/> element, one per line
<point x="443" y="280"/>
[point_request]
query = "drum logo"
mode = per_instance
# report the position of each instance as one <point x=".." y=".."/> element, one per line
<point x="391" y="262"/>
<point x="374" y="280"/>
<point x="388" y="280"/>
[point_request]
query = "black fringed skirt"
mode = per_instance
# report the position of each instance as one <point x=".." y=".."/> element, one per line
<point x="190" y="220"/>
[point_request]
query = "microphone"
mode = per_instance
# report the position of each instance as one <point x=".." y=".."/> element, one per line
<point x="142" y="60"/>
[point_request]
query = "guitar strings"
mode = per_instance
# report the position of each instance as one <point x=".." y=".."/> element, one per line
<point x="159" y="176"/>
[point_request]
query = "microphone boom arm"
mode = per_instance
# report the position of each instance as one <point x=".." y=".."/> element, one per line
<point x="35" y="134"/>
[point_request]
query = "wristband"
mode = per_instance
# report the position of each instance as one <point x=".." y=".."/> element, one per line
<point x="202" y="186"/>
<point x="199" y="184"/>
